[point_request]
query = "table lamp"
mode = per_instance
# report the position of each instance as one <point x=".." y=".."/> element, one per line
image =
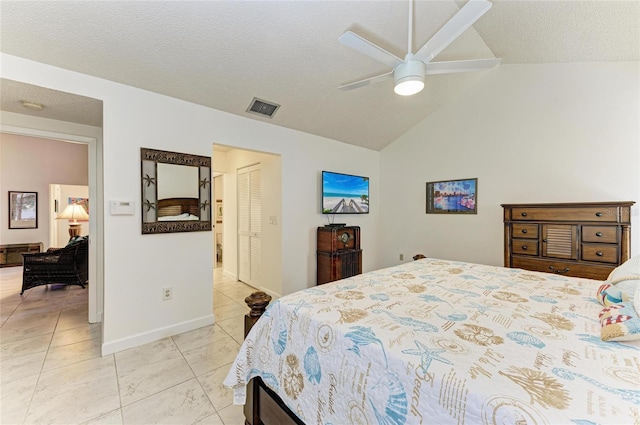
<point x="74" y="212"/>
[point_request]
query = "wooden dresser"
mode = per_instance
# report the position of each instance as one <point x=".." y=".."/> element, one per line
<point x="573" y="239"/>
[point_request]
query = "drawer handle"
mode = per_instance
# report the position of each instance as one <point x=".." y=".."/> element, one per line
<point x="599" y="234"/>
<point x="599" y="253"/>
<point x="598" y="214"/>
<point x="524" y="230"/>
<point x="524" y="247"/>
<point x="524" y="214"/>
<point x="553" y="269"/>
<point x="544" y="240"/>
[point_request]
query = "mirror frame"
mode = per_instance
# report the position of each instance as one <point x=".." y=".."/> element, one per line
<point x="149" y="159"/>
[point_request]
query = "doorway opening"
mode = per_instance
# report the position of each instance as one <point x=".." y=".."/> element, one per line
<point x="267" y="267"/>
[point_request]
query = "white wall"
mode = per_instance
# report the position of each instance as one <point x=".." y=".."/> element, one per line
<point x="137" y="267"/>
<point x="529" y="133"/>
<point x="30" y="164"/>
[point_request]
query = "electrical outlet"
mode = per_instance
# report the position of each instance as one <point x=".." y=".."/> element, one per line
<point x="167" y="294"/>
<point x="401" y="257"/>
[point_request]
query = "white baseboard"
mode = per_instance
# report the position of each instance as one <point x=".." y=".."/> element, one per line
<point x="229" y="274"/>
<point x="156" y="334"/>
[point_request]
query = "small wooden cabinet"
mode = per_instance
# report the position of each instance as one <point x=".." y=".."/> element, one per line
<point x="338" y="253"/>
<point x="574" y="239"/>
<point x="11" y="255"/>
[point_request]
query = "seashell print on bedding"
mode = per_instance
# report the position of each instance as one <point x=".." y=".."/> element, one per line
<point x="292" y="379"/>
<point x="280" y="343"/>
<point x="312" y="366"/>
<point x="478" y="335"/>
<point x="523" y="338"/>
<point x="395" y="408"/>
<point x="543" y="299"/>
<point x="379" y="297"/>
<point x="350" y="295"/>
<point x="352" y="315"/>
<point x="542" y="388"/>
<point x="555" y="321"/>
<point x="509" y="296"/>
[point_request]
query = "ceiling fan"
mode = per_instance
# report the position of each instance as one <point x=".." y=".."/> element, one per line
<point x="409" y="73"/>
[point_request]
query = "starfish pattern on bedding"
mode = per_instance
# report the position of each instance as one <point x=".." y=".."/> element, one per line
<point x="427" y="355"/>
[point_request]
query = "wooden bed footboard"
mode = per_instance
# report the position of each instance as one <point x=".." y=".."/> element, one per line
<point x="263" y="406"/>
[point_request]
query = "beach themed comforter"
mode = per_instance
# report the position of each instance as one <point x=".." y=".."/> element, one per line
<point x="443" y="342"/>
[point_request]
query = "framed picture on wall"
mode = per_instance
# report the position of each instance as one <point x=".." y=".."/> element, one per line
<point x="218" y="210"/>
<point x="81" y="201"/>
<point x="23" y="210"/>
<point x="452" y="197"/>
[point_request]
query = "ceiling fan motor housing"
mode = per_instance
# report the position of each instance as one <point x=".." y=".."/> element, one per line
<point x="409" y="71"/>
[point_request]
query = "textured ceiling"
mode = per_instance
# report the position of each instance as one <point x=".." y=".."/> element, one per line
<point x="222" y="54"/>
<point x="58" y="105"/>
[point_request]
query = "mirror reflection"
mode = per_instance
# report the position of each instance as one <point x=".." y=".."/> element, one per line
<point x="176" y="192"/>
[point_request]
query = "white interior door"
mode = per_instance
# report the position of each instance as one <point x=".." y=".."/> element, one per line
<point x="249" y="224"/>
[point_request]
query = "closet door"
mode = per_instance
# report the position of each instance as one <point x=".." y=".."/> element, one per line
<point x="249" y="224"/>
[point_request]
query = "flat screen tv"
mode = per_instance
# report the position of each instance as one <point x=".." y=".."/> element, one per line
<point x="344" y="193"/>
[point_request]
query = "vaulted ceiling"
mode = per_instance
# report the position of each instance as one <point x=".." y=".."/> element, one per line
<point x="222" y="54"/>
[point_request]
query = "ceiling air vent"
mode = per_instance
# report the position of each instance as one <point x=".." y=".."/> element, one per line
<point x="262" y="107"/>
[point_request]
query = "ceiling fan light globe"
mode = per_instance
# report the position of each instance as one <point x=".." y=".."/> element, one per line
<point x="409" y="77"/>
<point x="409" y="86"/>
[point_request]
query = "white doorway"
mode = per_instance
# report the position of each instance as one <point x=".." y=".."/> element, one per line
<point x="95" y="224"/>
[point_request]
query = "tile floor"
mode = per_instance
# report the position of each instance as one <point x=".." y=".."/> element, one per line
<point x="51" y="370"/>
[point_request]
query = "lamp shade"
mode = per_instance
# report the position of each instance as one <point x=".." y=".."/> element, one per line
<point x="74" y="212"/>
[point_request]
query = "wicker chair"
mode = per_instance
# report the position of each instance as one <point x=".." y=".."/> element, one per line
<point x="63" y="266"/>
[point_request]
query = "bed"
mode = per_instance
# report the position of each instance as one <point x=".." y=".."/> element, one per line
<point x="440" y="342"/>
<point x="178" y="209"/>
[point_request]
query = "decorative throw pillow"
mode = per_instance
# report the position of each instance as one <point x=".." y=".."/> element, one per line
<point x="619" y="322"/>
<point x="75" y="240"/>
<point x="626" y="277"/>
<point x="608" y="295"/>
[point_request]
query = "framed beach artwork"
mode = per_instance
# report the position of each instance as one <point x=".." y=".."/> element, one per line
<point x="82" y="201"/>
<point x="452" y="197"/>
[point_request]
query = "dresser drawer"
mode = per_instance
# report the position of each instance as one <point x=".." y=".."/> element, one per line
<point x="602" y="234"/>
<point x="524" y="246"/>
<point x="528" y="231"/>
<point x="597" y="272"/>
<point x="600" y="252"/>
<point x="601" y="214"/>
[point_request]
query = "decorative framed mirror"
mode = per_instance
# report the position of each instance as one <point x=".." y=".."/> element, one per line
<point x="176" y="192"/>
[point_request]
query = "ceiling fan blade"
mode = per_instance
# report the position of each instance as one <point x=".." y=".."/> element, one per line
<point x="449" y="67"/>
<point x="366" y="81"/>
<point x="467" y="16"/>
<point x="366" y="47"/>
